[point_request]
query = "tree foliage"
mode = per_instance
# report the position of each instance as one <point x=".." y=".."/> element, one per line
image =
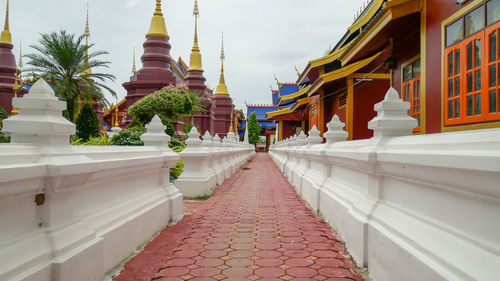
<point x="169" y="103"/>
<point x="87" y="123"/>
<point x="65" y="60"/>
<point x="254" y="129"/>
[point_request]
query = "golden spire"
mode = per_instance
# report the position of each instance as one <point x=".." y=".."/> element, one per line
<point x="6" y="37"/>
<point x="86" y="33"/>
<point x="221" y="89"/>
<point x="158" y="27"/>
<point x="116" y="125"/>
<point x="15" y="111"/>
<point x="231" y="127"/>
<point x="195" y="62"/>
<point x="133" y="64"/>
<point x="20" y="65"/>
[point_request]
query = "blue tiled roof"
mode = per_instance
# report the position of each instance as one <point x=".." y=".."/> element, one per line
<point x="178" y="67"/>
<point x="275" y="98"/>
<point x="243" y="124"/>
<point x="260" y="111"/>
<point x="288" y="89"/>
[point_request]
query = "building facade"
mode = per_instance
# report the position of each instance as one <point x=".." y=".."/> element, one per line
<point x="441" y="56"/>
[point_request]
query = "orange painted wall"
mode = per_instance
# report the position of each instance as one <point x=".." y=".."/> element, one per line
<point x="366" y="95"/>
<point x="332" y="108"/>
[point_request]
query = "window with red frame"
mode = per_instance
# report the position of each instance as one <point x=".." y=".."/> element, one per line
<point x="472" y="59"/>
<point x="411" y="90"/>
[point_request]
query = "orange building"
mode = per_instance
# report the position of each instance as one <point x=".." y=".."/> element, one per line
<point x="441" y="56"/>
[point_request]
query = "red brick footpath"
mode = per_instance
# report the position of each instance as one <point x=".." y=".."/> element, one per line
<point x="254" y="227"/>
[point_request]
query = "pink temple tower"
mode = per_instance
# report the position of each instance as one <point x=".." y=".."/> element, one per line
<point x="222" y="104"/>
<point x="155" y="72"/>
<point x="7" y="66"/>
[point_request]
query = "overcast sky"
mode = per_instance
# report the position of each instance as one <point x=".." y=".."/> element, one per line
<point x="262" y="37"/>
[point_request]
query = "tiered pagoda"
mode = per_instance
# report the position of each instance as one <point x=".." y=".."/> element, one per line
<point x="7" y="66"/>
<point x="222" y="104"/>
<point x="155" y="72"/>
<point x="196" y="81"/>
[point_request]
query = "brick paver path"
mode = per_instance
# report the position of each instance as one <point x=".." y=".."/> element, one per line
<point x="254" y="227"/>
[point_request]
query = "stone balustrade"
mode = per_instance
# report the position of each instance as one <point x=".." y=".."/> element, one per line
<point x="207" y="163"/>
<point x="409" y="207"/>
<point x="76" y="212"/>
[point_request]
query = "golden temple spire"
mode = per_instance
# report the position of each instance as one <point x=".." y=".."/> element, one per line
<point x="231" y="127"/>
<point x="158" y="27"/>
<point x="116" y="125"/>
<point x="19" y="76"/>
<point x="195" y="61"/>
<point x="20" y="65"/>
<point x="133" y="64"/>
<point x="221" y="89"/>
<point x="6" y="37"/>
<point x="86" y="33"/>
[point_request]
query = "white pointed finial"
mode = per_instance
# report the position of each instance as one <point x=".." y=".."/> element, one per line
<point x="193" y="138"/>
<point x="155" y="134"/>
<point x="314" y="136"/>
<point x="392" y="117"/>
<point x="336" y="131"/>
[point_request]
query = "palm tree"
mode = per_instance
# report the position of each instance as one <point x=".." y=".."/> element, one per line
<point x="64" y="59"/>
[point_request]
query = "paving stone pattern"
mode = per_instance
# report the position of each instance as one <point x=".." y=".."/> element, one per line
<point x="254" y="227"/>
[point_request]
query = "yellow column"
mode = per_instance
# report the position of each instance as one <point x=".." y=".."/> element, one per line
<point x="280" y="137"/>
<point x="350" y="108"/>
<point x="321" y="111"/>
<point x="303" y="125"/>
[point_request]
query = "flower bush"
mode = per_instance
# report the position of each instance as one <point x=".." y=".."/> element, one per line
<point x="169" y="103"/>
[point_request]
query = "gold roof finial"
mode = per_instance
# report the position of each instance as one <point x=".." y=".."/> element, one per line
<point x="276" y="78"/>
<point x="222" y="88"/>
<point x="298" y="72"/>
<point x="231" y="127"/>
<point x="157" y="27"/>
<point x="195" y="59"/>
<point x="6" y="37"/>
<point x="133" y="63"/>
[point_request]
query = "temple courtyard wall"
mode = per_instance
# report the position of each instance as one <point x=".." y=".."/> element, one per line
<point x="409" y="207"/>
<point x="71" y="212"/>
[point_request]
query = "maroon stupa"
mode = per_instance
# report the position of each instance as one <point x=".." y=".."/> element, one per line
<point x="7" y="66"/>
<point x="155" y="72"/>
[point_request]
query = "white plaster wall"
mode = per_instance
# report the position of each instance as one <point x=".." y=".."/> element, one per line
<point x="410" y="208"/>
<point x="101" y="203"/>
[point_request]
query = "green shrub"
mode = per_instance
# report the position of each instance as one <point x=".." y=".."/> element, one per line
<point x="87" y="123"/>
<point x="176" y="143"/>
<point x="176" y="171"/>
<point x="130" y="136"/>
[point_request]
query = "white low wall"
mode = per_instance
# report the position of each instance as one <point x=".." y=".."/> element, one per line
<point x="76" y="212"/>
<point x="207" y="163"/>
<point x="422" y="207"/>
